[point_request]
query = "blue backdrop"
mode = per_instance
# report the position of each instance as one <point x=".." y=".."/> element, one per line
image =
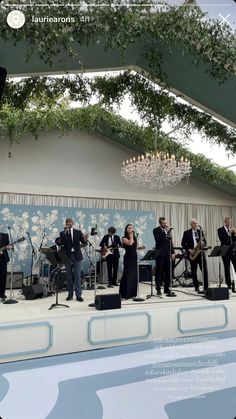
<point x="40" y="220"/>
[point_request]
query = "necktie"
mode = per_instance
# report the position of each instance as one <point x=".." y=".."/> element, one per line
<point x="196" y="237"/>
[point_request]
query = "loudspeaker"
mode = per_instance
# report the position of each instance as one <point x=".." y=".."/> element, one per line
<point x="32" y="292"/>
<point x="107" y="301"/>
<point x="3" y="75"/>
<point x="17" y="280"/>
<point x="61" y="280"/>
<point x="145" y="273"/>
<point x="217" y="294"/>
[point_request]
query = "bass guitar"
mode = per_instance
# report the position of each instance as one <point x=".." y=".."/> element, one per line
<point x="11" y="244"/>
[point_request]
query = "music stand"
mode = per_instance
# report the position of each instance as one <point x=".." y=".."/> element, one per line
<point x="56" y="258"/>
<point x="220" y="251"/>
<point x="151" y="255"/>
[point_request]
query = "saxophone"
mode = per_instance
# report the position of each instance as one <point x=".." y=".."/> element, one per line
<point x="197" y="249"/>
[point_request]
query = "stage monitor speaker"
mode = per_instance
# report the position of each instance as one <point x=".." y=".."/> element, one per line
<point x="3" y="75"/>
<point x="145" y="272"/>
<point x="107" y="301"/>
<point x="32" y="292"/>
<point x="217" y="293"/>
<point x="17" y="280"/>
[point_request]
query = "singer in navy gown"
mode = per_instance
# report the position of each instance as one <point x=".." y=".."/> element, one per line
<point x="128" y="283"/>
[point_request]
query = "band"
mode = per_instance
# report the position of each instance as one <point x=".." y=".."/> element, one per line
<point x="193" y="251"/>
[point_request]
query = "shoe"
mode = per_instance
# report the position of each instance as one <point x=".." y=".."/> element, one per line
<point x="79" y="299"/>
<point x="110" y="286"/>
<point x="167" y="292"/>
<point x="197" y="289"/>
<point x="158" y="292"/>
<point x="200" y="292"/>
<point x="116" y="284"/>
<point x="70" y="297"/>
<point x="3" y="297"/>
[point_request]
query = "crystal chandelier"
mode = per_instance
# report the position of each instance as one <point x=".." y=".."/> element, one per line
<point x="155" y="170"/>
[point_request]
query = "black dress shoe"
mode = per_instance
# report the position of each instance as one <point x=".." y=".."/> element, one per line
<point x="3" y="297"/>
<point x="158" y="292"/>
<point x="110" y="286"/>
<point x="70" y="297"/>
<point x="79" y="299"/>
<point x="196" y="289"/>
<point x="200" y="292"/>
<point x="116" y="284"/>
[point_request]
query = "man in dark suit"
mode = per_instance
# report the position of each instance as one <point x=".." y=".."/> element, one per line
<point x="190" y="240"/>
<point x="227" y="237"/>
<point x="70" y="240"/>
<point x="111" y="240"/>
<point x="4" y="259"/>
<point x="164" y="254"/>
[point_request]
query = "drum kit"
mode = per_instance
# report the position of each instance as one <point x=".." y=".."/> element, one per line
<point x="46" y="273"/>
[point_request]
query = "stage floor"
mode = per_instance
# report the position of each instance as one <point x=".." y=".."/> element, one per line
<point x="38" y="308"/>
<point x="29" y="329"/>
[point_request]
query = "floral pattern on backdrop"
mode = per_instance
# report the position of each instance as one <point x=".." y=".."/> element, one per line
<point x="44" y="223"/>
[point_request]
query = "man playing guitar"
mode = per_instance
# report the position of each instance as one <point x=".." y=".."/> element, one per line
<point x="113" y="242"/>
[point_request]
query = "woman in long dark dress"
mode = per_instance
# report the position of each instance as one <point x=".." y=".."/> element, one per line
<point x="128" y="282"/>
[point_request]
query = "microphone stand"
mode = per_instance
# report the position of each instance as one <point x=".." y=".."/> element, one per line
<point x="90" y="285"/>
<point x="95" y="271"/>
<point x="169" y="237"/>
<point x="138" y="299"/>
<point x="32" y="256"/>
<point x="202" y="261"/>
<point x="11" y="301"/>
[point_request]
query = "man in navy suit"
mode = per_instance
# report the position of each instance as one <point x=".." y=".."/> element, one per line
<point x="111" y="240"/>
<point x="4" y="259"/>
<point x="227" y="237"/>
<point x="70" y="239"/>
<point x="164" y="254"/>
<point x="190" y="240"/>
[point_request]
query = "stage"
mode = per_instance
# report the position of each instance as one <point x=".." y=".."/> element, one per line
<point x="30" y="330"/>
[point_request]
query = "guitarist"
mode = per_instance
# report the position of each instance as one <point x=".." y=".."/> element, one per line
<point x="111" y="240"/>
<point x="190" y="240"/>
<point x="4" y="259"/>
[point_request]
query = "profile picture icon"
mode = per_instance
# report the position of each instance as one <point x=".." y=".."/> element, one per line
<point x="15" y="19"/>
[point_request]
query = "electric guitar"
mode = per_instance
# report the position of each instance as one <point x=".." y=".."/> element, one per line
<point x="108" y="251"/>
<point x="11" y="244"/>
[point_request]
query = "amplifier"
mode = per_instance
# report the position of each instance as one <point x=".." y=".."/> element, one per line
<point x="17" y="280"/>
<point x="107" y="301"/>
<point x="217" y="293"/>
<point x="145" y="272"/>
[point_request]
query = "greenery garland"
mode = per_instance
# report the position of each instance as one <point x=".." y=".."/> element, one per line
<point x="14" y="125"/>
<point x="115" y="26"/>
<point x="153" y="105"/>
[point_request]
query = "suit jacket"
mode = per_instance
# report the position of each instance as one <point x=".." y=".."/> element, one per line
<point x="224" y="238"/>
<point x="187" y="240"/>
<point x="163" y="244"/>
<point x="4" y="241"/>
<point x="117" y="243"/>
<point x="68" y="244"/>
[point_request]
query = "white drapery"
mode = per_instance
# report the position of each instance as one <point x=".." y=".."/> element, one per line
<point x="178" y="214"/>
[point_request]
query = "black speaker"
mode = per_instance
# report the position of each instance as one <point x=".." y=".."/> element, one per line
<point x="145" y="273"/>
<point x="3" y="75"/>
<point x="107" y="301"/>
<point x="217" y="293"/>
<point x="32" y="292"/>
<point x="17" y="280"/>
<point x="61" y="280"/>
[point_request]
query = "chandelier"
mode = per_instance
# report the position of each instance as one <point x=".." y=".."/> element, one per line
<point x="155" y="170"/>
